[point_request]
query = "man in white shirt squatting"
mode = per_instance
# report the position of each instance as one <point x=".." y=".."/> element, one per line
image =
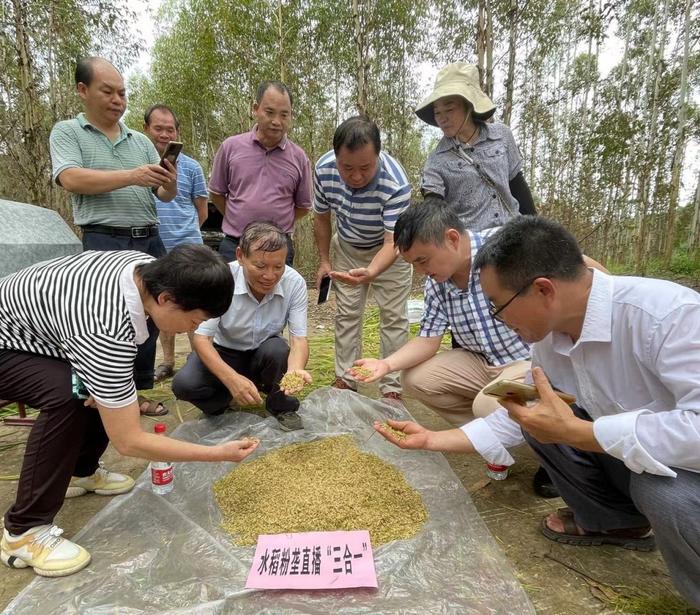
<point x="244" y="351"/>
<point x="626" y="456"/>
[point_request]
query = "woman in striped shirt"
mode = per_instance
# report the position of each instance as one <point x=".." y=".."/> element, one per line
<point x="79" y="319"/>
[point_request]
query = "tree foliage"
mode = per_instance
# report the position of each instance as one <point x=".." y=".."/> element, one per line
<point x="604" y="146"/>
<point x="39" y="43"/>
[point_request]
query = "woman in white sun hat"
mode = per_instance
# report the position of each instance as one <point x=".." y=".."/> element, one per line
<point x="476" y="167"/>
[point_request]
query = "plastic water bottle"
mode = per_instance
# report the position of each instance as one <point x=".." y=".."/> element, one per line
<point x="496" y="472"/>
<point x="161" y="471"/>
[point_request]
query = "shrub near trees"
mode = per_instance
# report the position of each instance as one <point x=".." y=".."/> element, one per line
<point x="604" y="155"/>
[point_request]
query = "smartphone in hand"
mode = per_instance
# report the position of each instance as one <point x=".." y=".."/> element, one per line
<point x="520" y="392"/>
<point x="172" y="151"/>
<point x="324" y="289"/>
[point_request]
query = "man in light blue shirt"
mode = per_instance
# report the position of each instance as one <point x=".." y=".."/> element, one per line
<point x="181" y="218"/>
<point x="243" y="351"/>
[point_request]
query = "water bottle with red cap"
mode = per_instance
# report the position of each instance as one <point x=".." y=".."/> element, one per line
<point x="161" y="471"/>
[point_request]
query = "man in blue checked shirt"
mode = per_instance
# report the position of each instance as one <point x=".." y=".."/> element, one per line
<point x="181" y="218"/>
<point x="431" y="236"/>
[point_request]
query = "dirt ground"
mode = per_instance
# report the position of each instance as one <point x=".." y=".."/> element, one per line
<point x="559" y="579"/>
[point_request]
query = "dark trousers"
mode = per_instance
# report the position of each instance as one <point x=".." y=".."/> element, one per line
<point x="66" y="440"/>
<point x="605" y="495"/>
<point x="264" y="366"/>
<point x="146" y="353"/>
<point x="228" y="245"/>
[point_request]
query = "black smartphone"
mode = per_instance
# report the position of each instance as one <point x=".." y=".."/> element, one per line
<point x="172" y="151"/>
<point x="324" y="290"/>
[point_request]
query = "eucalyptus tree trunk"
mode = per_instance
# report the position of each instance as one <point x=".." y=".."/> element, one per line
<point x="510" y="79"/>
<point x="31" y="151"/>
<point x="360" y="53"/>
<point x="280" y="43"/>
<point x="655" y="64"/>
<point x="489" y="50"/>
<point x="680" y="145"/>
<point x="694" y="231"/>
<point x="481" y="43"/>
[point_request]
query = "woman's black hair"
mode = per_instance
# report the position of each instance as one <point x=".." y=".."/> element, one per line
<point x="196" y="277"/>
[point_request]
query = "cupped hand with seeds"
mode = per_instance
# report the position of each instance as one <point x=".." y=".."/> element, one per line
<point x="369" y="370"/>
<point x="415" y="436"/>
<point x="405" y="434"/>
<point x="237" y="450"/>
<point x="294" y="381"/>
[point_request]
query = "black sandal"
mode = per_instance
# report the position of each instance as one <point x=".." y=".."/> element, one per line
<point x="163" y="372"/>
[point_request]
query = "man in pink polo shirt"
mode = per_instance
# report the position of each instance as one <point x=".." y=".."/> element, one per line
<point x="261" y="175"/>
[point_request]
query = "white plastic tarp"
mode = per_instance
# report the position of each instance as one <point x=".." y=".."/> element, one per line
<point x="168" y="554"/>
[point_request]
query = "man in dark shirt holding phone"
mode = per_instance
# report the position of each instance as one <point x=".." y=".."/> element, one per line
<point x="113" y="174"/>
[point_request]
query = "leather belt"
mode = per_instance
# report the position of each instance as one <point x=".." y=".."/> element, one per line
<point x="136" y="232"/>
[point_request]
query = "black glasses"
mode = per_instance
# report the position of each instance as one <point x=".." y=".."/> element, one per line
<point x="495" y="311"/>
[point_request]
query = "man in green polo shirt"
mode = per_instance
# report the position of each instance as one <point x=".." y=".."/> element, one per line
<point x="112" y="174"/>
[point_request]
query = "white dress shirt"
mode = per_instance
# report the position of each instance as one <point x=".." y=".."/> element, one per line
<point x="635" y="369"/>
<point x="248" y="322"/>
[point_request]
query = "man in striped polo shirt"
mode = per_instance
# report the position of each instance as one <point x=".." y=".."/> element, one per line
<point x="112" y="174"/>
<point x="367" y="190"/>
<point x="73" y="324"/>
<point x="181" y="218"/>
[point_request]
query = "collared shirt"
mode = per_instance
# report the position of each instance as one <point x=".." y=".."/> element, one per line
<point x="634" y="369"/>
<point x="450" y="175"/>
<point x="466" y="313"/>
<point x="179" y="221"/>
<point x="77" y="143"/>
<point x="84" y="309"/>
<point x="260" y="184"/>
<point x="248" y="322"/>
<point x="362" y="215"/>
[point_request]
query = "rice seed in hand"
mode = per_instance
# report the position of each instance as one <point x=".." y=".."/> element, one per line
<point x="362" y="372"/>
<point x="292" y="381"/>
<point x="324" y="485"/>
<point x="399" y="435"/>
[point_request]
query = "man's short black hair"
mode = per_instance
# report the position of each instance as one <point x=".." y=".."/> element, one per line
<point x="196" y="277"/>
<point x="355" y="132"/>
<point x="426" y="221"/>
<point x="529" y="247"/>
<point x="265" y="236"/>
<point x="85" y="69"/>
<point x="149" y="112"/>
<point x="277" y="85"/>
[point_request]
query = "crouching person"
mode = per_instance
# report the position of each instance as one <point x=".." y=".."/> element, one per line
<point x="243" y="351"/>
<point x="77" y="321"/>
<point x="626" y="457"/>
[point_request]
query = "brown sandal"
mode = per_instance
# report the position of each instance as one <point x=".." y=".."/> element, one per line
<point x="152" y="407"/>
<point x="636" y="538"/>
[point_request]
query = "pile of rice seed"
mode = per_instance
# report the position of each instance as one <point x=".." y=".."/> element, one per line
<point x="324" y="485"/>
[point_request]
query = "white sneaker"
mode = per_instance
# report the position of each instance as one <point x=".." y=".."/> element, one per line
<point x="43" y="549"/>
<point x="102" y="482"/>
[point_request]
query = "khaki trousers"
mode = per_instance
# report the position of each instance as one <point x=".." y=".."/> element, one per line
<point x="450" y="383"/>
<point x="391" y="290"/>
